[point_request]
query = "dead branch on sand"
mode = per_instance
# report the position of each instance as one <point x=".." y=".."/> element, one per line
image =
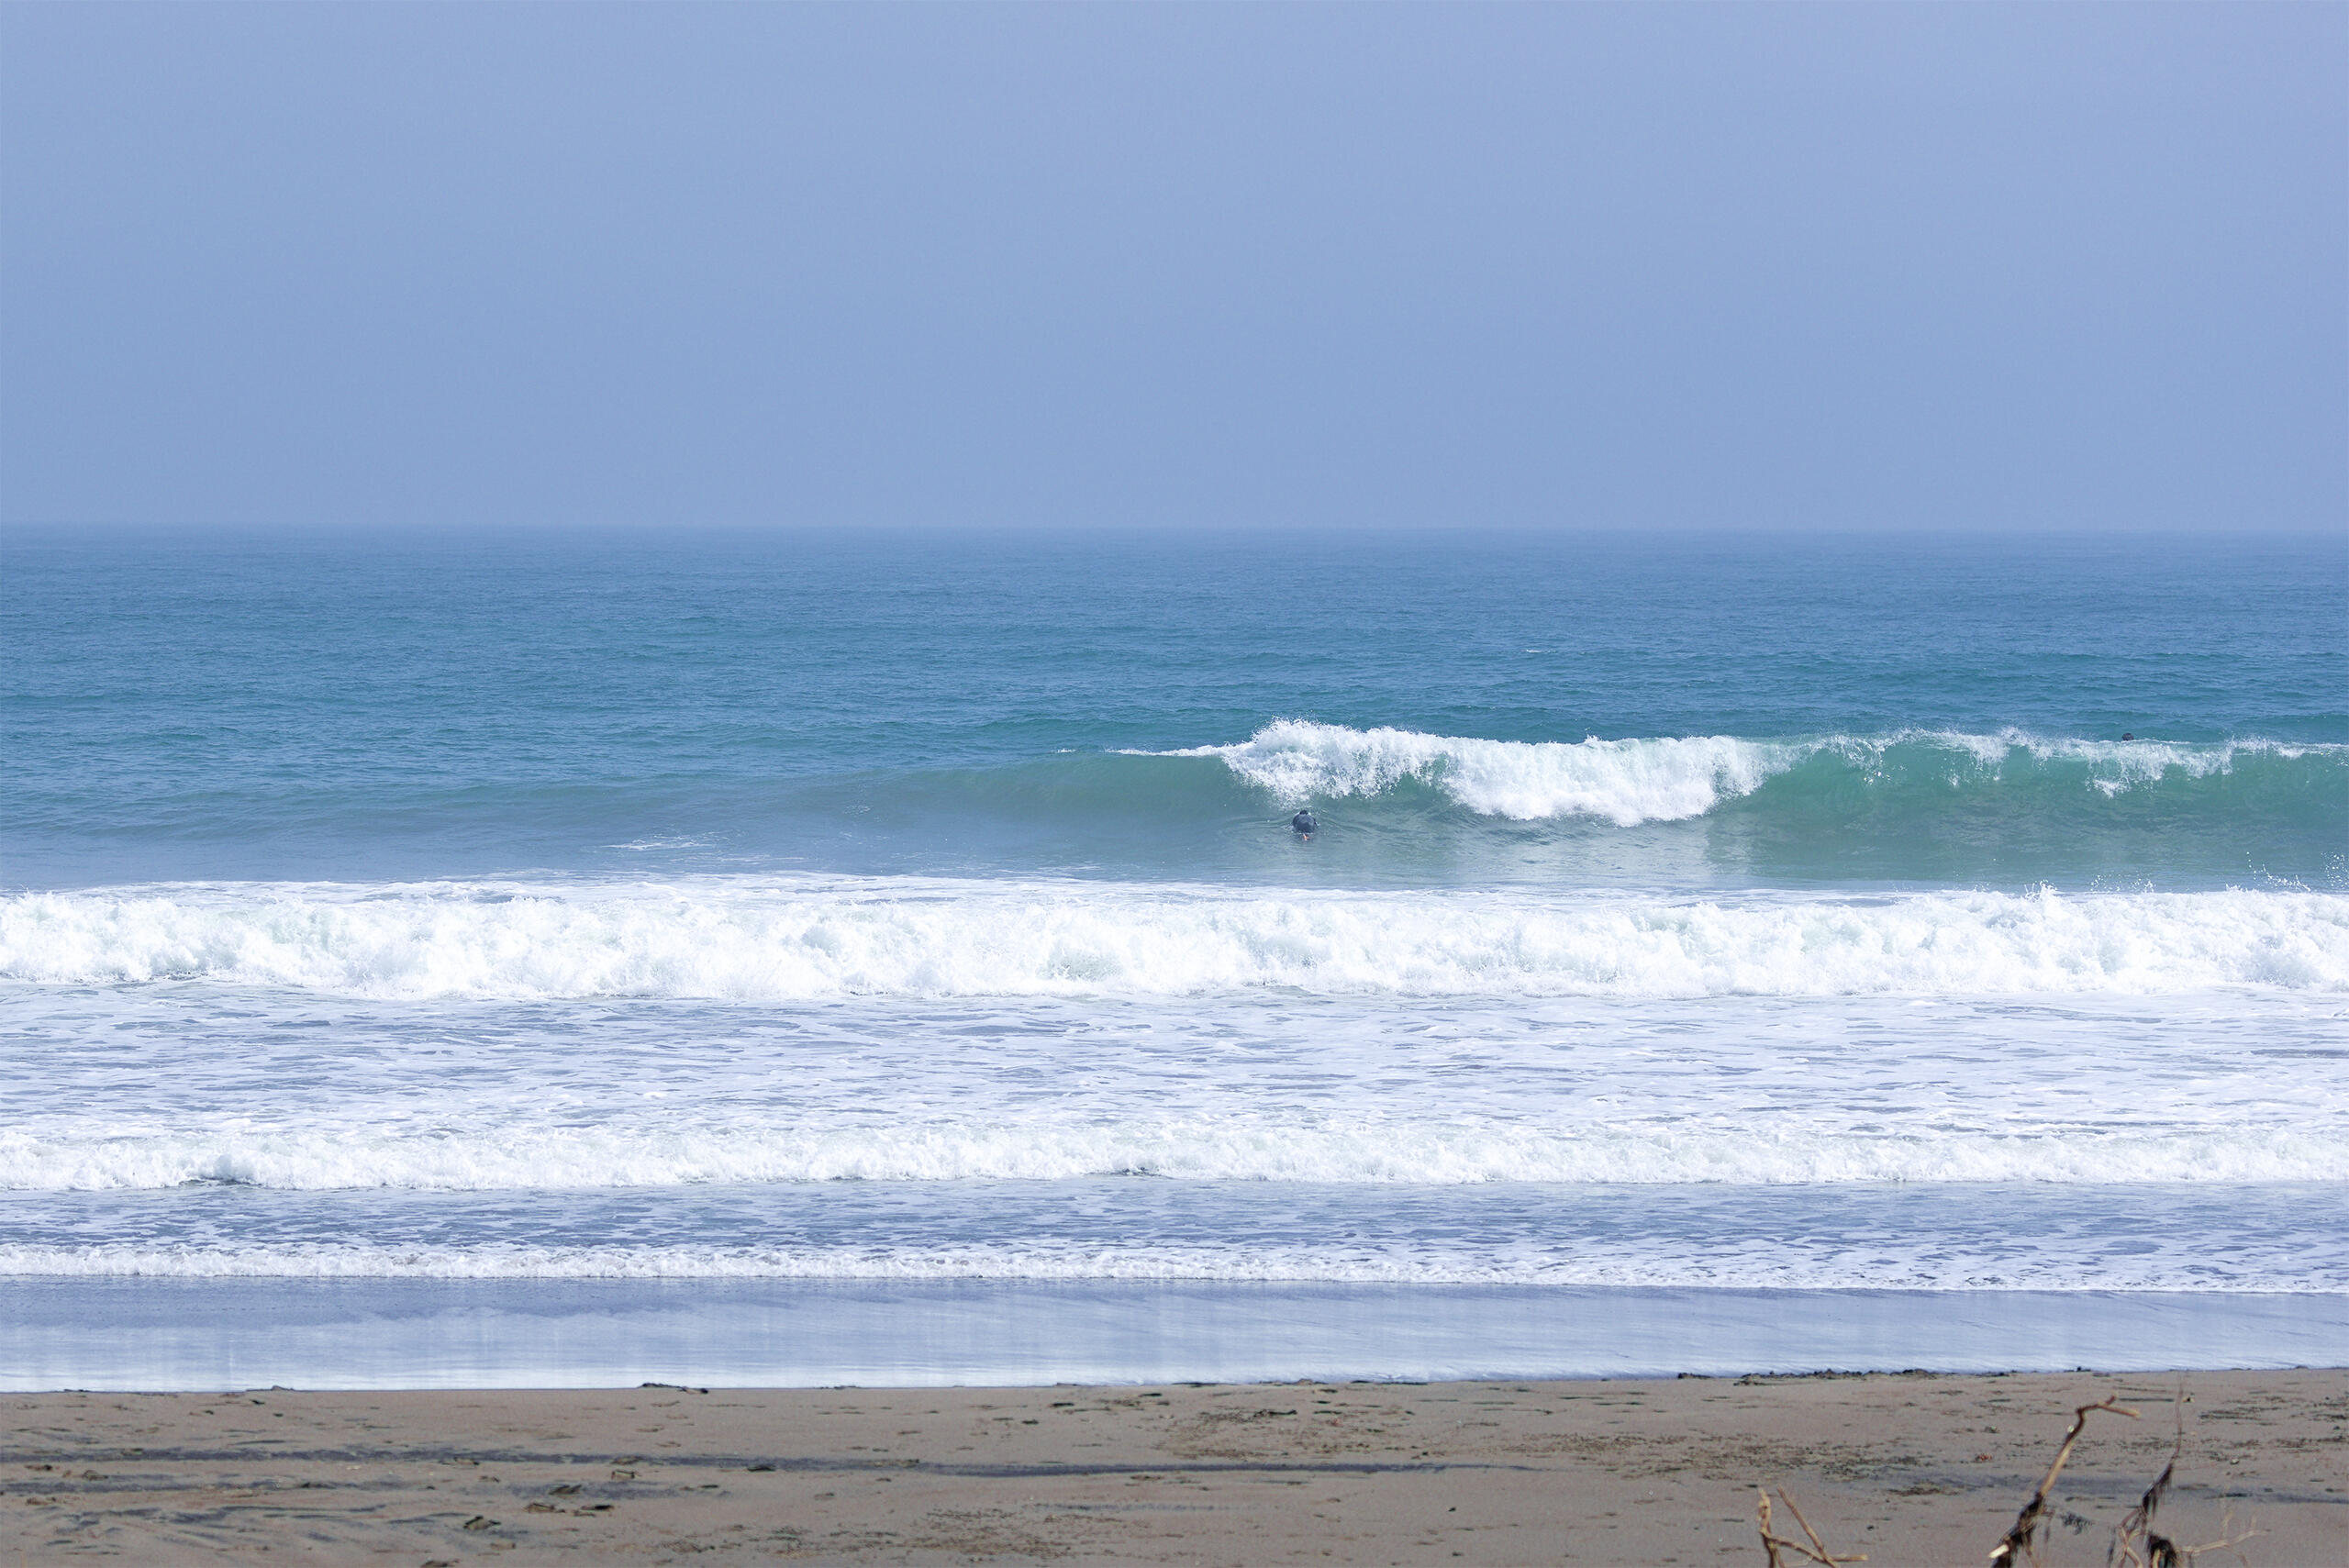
<point x="2017" y="1547"/>
<point x="2135" y="1542"/>
<point x="1771" y="1544"/>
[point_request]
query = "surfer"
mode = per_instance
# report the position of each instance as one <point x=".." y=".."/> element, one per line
<point x="1304" y="824"/>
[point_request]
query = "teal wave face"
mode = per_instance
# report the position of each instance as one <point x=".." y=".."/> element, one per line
<point x="1395" y="805"/>
<point x="1408" y="809"/>
<point x="1954" y="808"/>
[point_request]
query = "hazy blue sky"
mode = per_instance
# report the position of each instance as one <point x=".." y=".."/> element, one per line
<point x="1954" y="266"/>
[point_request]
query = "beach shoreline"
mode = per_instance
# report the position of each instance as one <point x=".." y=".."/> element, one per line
<point x="157" y="1334"/>
<point x="1906" y="1467"/>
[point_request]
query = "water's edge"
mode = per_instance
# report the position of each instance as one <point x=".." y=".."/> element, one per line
<point x="159" y="1335"/>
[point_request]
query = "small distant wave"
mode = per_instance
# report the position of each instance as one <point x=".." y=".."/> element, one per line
<point x="751" y="938"/>
<point x="1672" y="779"/>
<point x="1434" y="1153"/>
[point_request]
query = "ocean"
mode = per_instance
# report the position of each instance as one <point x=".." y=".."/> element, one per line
<point x="823" y="957"/>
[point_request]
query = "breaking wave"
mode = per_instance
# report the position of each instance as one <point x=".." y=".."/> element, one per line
<point x="1672" y="779"/>
<point x="1625" y="782"/>
<point x="762" y="938"/>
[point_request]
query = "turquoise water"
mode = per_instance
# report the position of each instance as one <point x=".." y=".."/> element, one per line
<point x="1944" y="712"/>
<point x="1686" y="913"/>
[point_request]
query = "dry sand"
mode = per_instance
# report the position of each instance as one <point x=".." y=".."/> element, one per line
<point x="1905" y="1468"/>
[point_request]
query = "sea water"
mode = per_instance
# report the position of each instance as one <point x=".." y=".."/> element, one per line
<point x="1717" y="951"/>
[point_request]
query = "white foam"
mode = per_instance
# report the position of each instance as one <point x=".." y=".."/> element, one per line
<point x="773" y="940"/>
<point x="1727" y="1149"/>
<point x="1625" y="782"/>
<point x="1730" y="1265"/>
<point x="1667" y="779"/>
<point x="2108" y="767"/>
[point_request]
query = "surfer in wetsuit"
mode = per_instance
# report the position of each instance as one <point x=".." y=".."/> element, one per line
<point x="1304" y="824"/>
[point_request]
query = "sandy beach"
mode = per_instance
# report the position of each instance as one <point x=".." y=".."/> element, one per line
<point x="1908" y="1468"/>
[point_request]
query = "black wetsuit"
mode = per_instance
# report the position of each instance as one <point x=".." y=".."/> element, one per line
<point x="1303" y="822"/>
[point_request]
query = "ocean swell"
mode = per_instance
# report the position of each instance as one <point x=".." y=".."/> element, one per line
<point x="1671" y="779"/>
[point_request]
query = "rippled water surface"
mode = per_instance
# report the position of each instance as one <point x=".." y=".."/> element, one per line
<point x="1703" y="914"/>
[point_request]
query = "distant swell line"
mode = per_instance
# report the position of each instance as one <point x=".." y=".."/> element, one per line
<point x="771" y="940"/>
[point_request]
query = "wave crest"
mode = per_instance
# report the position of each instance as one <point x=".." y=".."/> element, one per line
<point x="1672" y="779"/>
<point x="1626" y="782"/>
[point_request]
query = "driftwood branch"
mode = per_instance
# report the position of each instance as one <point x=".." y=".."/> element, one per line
<point x="1772" y="1543"/>
<point x="2135" y="1542"/>
<point x="2017" y="1547"/>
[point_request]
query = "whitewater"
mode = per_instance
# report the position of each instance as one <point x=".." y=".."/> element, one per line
<point x="775" y="939"/>
<point x="1670" y="778"/>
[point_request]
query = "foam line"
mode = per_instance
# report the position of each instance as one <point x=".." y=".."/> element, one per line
<point x="777" y="939"/>
<point x="1272" y="1148"/>
<point x="1812" y="1267"/>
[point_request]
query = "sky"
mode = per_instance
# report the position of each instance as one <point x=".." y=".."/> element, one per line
<point x="1862" y="268"/>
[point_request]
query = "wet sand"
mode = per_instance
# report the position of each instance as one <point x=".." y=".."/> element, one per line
<point x="1908" y="1468"/>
